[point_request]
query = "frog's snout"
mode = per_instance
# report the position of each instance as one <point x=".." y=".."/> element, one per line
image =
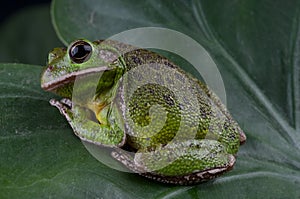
<point x="46" y="77"/>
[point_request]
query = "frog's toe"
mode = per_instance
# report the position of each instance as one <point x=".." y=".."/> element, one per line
<point x="66" y="102"/>
<point x="63" y="108"/>
<point x="127" y="160"/>
<point x="242" y="137"/>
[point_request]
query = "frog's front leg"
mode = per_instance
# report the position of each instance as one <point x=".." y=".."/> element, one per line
<point x="188" y="162"/>
<point x="86" y="128"/>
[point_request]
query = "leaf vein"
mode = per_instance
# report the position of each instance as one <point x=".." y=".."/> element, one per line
<point x="289" y="132"/>
<point x="295" y="42"/>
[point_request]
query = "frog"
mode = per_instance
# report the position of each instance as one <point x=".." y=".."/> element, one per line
<point x="137" y="107"/>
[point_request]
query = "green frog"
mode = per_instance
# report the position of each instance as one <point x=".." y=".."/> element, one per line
<point x="158" y="120"/>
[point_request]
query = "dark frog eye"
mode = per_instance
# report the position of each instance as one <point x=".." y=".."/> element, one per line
<point x="80" y="52"/>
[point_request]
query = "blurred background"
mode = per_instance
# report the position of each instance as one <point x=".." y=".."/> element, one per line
<point x="14" y="6"/>
<point x="26" y="32"/>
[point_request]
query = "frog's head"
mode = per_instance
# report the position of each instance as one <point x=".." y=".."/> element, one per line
<point x="81" y="58"/>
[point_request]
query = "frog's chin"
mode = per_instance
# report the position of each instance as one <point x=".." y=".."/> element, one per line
<point x="50" y="83"/>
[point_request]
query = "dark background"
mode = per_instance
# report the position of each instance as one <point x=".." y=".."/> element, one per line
<point x="26" y="32"/>
<point x="10" y="7"/>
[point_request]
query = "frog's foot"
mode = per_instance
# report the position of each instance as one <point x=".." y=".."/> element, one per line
<point x="188" y="162"/>
<point x="64" y="106"/>
<point x="127" y="160"/>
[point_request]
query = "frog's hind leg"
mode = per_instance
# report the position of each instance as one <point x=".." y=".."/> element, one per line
<point x="86" y="127"/>
<point x="192" y="178"/>
<point x="186" y="162"/>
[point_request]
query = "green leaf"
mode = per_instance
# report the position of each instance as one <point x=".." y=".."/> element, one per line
<point x="255" y="45"/>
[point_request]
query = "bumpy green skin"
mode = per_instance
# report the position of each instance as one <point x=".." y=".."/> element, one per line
<point x="203" y="151"/>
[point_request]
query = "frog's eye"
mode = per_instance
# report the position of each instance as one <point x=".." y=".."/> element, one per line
<point x="80" y="52"/>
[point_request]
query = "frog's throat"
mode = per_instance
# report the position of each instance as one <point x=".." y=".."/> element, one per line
<point x="68" y="78"/>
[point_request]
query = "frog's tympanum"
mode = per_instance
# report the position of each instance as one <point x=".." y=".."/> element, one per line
<point x="174" y="128"/>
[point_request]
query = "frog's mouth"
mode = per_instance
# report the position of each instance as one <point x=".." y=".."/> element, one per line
<point x="51" y="83"/>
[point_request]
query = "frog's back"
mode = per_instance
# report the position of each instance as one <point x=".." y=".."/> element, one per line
<point x="160" y="102"/>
